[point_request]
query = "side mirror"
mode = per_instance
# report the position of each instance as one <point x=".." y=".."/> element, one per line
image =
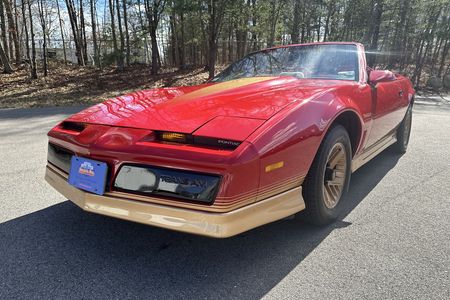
<point x="376" y="76"/>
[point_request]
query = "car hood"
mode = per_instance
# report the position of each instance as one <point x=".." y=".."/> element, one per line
<point x="186" y="109"/>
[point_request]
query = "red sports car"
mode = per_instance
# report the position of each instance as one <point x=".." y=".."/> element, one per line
<point x="277" y="132"/>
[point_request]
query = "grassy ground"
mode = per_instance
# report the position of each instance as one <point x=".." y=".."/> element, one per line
<point x="72" y="85"/>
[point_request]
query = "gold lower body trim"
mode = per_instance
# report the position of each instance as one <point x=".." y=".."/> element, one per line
<point x="219" y="225"/>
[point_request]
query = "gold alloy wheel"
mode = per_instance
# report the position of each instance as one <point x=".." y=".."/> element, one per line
<point x="335" y="174"/>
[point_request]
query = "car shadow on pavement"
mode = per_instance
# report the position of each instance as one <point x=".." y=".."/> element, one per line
<point x="63" y="252"/>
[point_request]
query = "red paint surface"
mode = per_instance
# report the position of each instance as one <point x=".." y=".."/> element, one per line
<point x="280" y="119"/>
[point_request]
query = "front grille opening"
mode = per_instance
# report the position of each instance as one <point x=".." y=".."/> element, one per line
<point x="59" y="157"/>
<point x="73" y="126"/>
<point x="155" y="181"/>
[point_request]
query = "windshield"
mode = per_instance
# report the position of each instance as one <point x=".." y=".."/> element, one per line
<point x="322" y="61"/>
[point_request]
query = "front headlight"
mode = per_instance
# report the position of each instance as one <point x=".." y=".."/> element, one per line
<point x="203" y="141"/>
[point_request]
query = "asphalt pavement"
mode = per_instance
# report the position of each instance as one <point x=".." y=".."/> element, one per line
<point x="392" y="242"/>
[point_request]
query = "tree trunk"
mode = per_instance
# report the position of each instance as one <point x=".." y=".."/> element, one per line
<point x="330" y="12"/>
<point x="272" y="23"/>
<point x="174" y="42"/>
<point x="154" y="11"/>
<point x="44" y="43"/>
<point x="62" y="32"/>
<point x="33" y="45"/>
<point x="181" y="43"/>
<point x="154" y="42"/>
<point x="295" y="29"/>
<point x="399" y="35"/>
<point x="429" y="32"/>
<point x="3" y="31"/>
<point x="215" y="15"/>
<point x="19" y="40"/>
<point x="113" y="32"/>
<point x="230" y="45"/>
<point x="12" y="30"/>
<point x="120" y="62"/>
<point x="420" y="66"/>
<point x="303" y="33"/>
<point x="127" y="34"/>
<point x="254" y="21"/>
<point x="94" y="33"/>
<point x="377" y="14"/>
<point x="212" y="58"/>
<point x="5" y="61"/>
<point x="435" y="54"/>
<point x="83" y="41"/>
<point x="77" y="36"/>
<point x="445" y="52"/>
<point x="24" y="20"/>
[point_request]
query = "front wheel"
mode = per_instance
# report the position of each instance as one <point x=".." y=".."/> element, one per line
<point x="328" y="177"/>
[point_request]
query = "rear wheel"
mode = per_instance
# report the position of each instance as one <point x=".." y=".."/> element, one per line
<point x="328" y="177"/>
<point x="404" y="132"/>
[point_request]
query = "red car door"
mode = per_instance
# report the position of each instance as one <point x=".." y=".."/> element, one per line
<point x="388" y="108"/>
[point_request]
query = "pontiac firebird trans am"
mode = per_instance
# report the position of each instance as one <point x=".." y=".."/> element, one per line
<point x="277" y="132"/>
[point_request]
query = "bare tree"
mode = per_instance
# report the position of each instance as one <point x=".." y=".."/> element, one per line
<point x="254" y="26"/>
<point x="127" y="34"/>
<point x="114" y="37"/>
<point x="12" y="30"/>
<point x="215" y="15"/>
<point x="3" y="31"/>
<point x="5" y="61"/>
<point x="295" y="30"/>
<point x="25" y="27"/>
<point x="83" y="41"/>
<point x="374" y="28"/>
<point x="94" y="32"/>
<point x="331" y="9"/>
<point x="120" y="64"/>
<point x="154" y="9"/>
<point x="33" y="44"/>
<point x="44" y="35"/>
<point x="275" y="7"/>
<point x="77" y="34"/>
<point x="62" y="31"/>
<point x="174" y="35"/>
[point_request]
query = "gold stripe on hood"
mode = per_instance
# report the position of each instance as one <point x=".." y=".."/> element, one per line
<point x="222" y="86"/>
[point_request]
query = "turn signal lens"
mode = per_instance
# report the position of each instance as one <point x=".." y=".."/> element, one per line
<point x="173" y="137"/>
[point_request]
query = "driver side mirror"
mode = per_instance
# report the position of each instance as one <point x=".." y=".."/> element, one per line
<point x="376" y="76"/>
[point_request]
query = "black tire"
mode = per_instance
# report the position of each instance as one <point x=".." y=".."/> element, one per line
<point x="404" y="132"/>
<point x="318" y="211"/>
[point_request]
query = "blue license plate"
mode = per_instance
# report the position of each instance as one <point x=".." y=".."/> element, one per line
<point x="88" y="174"/>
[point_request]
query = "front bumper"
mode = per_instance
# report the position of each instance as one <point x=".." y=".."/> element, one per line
<point x="219" y="225"/>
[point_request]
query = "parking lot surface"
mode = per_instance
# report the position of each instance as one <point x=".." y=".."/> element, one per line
<point x="392" y="241"/>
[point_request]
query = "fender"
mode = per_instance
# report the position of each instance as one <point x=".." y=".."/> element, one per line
<point x="291" y="138"/>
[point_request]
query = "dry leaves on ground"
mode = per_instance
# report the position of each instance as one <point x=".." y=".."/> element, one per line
<point x="74" y="85"/>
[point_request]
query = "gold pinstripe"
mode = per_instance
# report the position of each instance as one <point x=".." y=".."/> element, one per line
<point x="218" y="206"/>
<point x="220" y="87"/>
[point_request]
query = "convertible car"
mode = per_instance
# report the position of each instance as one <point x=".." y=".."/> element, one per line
<point x="275" y="133"/>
